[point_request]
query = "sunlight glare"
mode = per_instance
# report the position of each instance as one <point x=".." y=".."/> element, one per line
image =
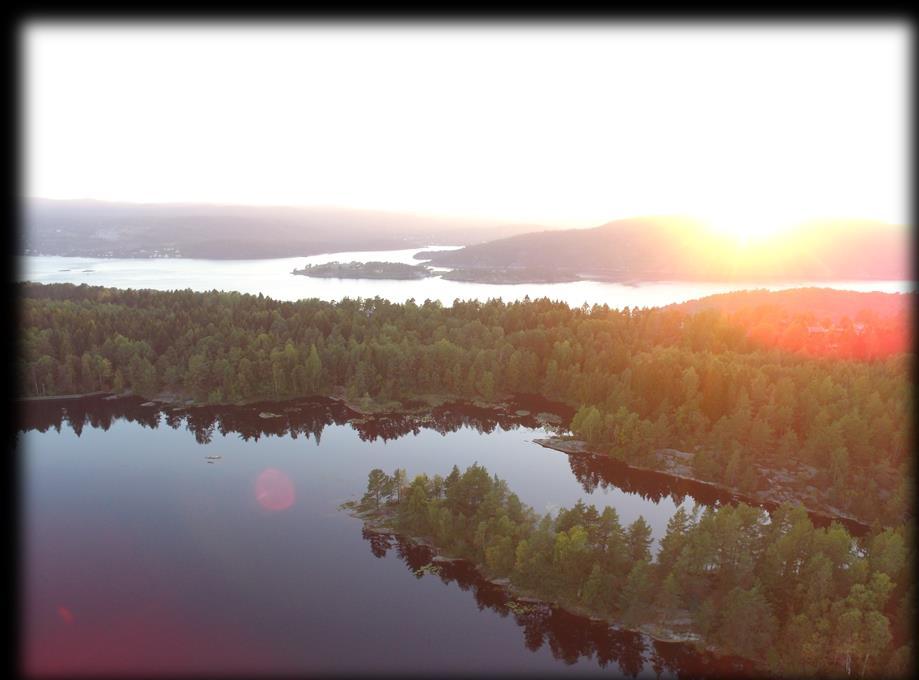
<point x="749" y="225"/>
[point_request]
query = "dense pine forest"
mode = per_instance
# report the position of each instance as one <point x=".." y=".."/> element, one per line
<point x="796" y="599"/>
<point x="641" y="379"/>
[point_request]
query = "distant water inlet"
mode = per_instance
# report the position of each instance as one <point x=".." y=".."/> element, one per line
<point x="273" y="278"/>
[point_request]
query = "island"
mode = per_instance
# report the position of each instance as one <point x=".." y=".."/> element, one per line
<point x="365" y="270"/>
<point x="401" y="271"/>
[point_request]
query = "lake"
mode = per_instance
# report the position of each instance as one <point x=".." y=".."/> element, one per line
<point x="273" y="278"/>
<point x="141" y="555"/>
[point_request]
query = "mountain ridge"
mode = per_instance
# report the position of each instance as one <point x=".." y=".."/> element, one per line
<point x="665" y="247"/>
<point x="88" y="227"/>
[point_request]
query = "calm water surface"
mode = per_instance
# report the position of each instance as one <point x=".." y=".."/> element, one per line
<point x="274" y="279"/>
<point x="141" y="556"/>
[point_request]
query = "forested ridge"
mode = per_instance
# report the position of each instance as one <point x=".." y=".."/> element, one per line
<point x="641" y="379"/>
<point x="672" y="248"/>
<point x="795" y="599"/>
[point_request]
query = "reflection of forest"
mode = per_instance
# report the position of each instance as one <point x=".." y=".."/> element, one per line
<point x="309" y="417"/>
<point x="594" y="471"/>
<point x="569" y="637"/>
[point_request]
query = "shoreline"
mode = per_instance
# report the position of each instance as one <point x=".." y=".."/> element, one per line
<point x="424" y="403"/>
<point x="360" y="406"/>
<point x="630" y="279"/>
<point x="656" y="630"/>
<point x="67" y="396"/>
<point x="577" y="447"/>
<point x="175" y="400"/>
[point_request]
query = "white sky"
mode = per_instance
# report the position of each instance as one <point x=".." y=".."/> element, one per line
<point x="556" y="124"/>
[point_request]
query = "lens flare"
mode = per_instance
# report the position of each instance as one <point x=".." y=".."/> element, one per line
<point x="274" y="490"/>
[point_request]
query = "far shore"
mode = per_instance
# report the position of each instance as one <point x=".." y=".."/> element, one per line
<point x="67" y="396"/>
<point x="363" y="406"/>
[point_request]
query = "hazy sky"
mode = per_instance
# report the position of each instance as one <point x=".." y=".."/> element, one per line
<point x="555" y="124"/>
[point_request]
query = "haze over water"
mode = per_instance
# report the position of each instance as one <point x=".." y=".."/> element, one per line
<point x="273" y="278"/>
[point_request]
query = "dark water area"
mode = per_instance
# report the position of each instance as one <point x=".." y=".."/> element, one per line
<point x="209" y="540"/>
<point x="569" y="637"/>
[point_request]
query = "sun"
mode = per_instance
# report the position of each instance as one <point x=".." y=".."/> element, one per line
<point x="750" y="227"/>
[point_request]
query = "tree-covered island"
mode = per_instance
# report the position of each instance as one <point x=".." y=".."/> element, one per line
<point x="364" y="270"/>
<point x="398" y="270"/>
<point x="790" y="597"/>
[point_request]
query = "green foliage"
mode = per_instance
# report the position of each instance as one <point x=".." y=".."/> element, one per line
<point x="639" y="541"/>
<point x="747" y="624"/>
<point x="792" y="597"/>
<point x="639" y="379"/>
<point x="637" y="594"/>
<point x="378" y="485"/>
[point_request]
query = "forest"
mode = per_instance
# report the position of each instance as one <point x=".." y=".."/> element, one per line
<point x="640" y="379"/>
<point x="795" y="599"/>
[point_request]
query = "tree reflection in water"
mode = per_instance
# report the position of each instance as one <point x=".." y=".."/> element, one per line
<point x="569" y="637"/>
<point x="308" y="418"/>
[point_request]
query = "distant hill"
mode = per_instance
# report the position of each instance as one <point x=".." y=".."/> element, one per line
<point x="822" y="303"/>
<point x="818" y="322"/>
<point x="675" y="248"/>
<point x="99" y="228"/>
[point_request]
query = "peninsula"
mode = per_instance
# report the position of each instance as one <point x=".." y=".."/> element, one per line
<point x="723" y="590"/>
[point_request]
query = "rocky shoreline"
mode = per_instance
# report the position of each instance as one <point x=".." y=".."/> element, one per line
<point x="675" y="463"/>
<point x="65" y="396"/>
<point x="677" y="630"/>
<point x="362" y="407"/>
